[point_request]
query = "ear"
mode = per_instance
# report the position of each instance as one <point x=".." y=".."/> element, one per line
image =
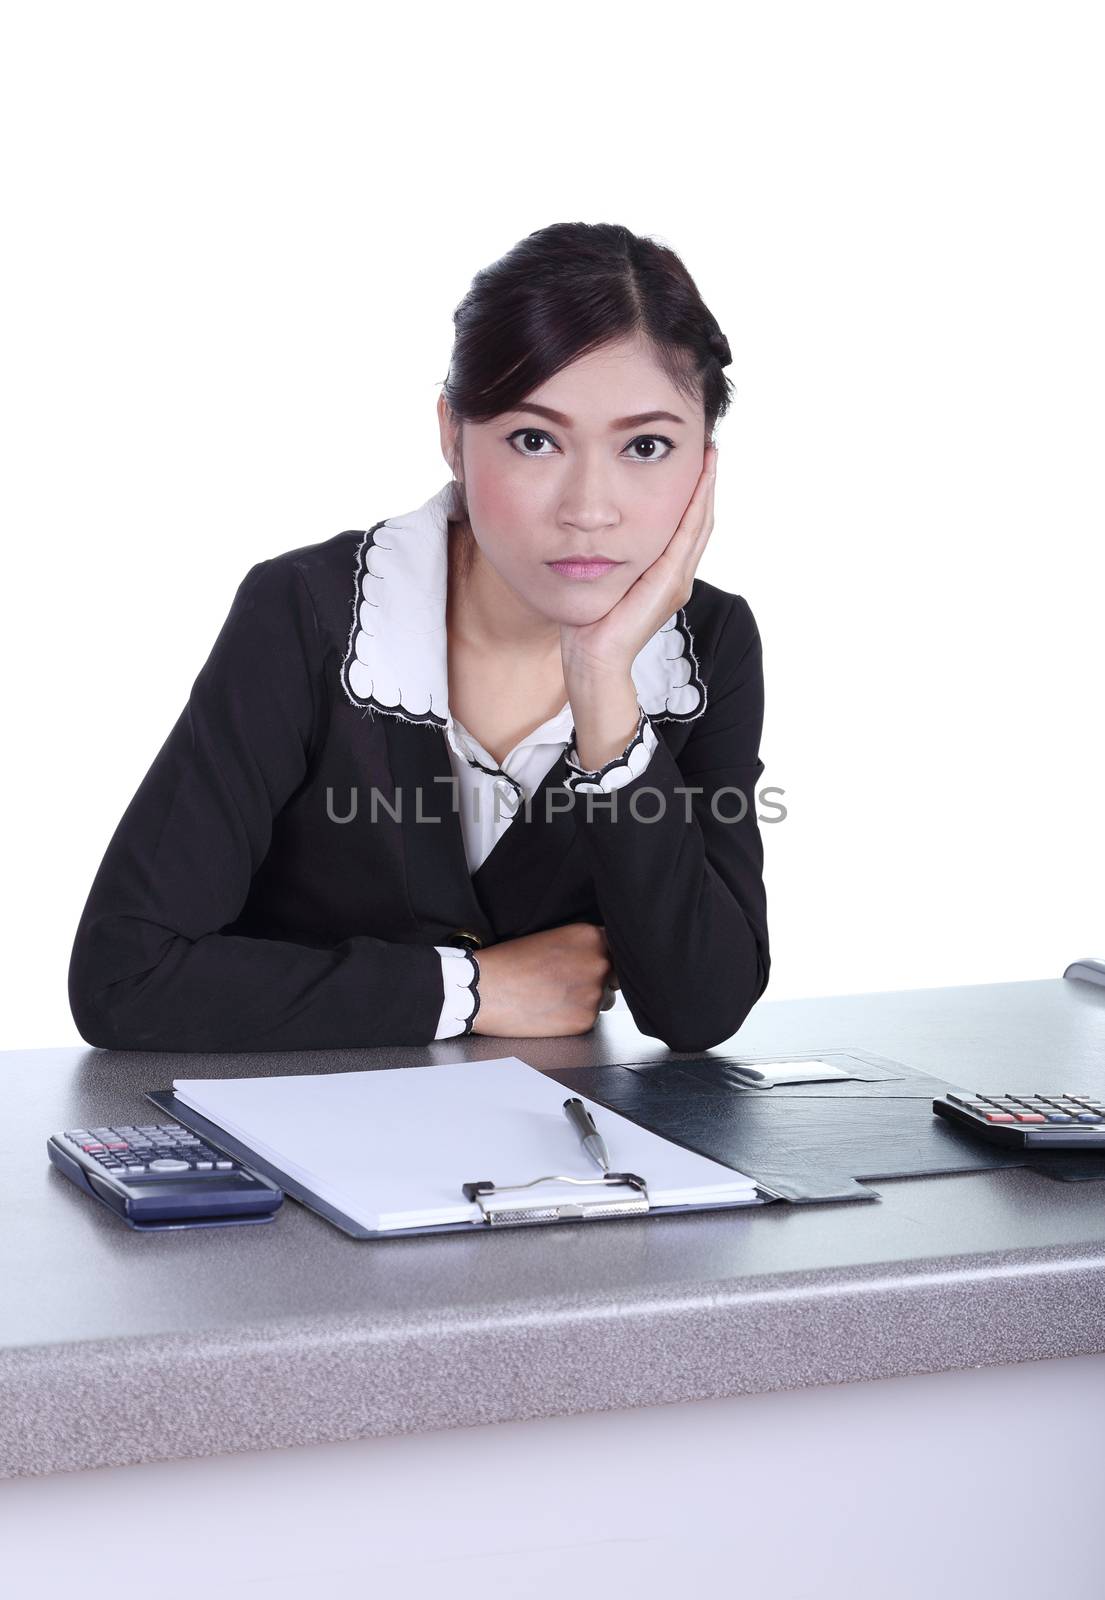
<point x="447" y="427"/>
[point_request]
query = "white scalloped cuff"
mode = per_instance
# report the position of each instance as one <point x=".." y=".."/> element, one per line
<point x="623" y="769"/>
<point x="460" y="977"/>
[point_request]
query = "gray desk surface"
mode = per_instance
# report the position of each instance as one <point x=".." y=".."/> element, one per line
<point x="117" y="1347"/>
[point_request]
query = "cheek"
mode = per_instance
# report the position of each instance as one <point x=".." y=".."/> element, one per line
<point x="505" y="515"/>
<point x="659" y="515"/>
<point x="678" y="495"/>
<point x="497" y="501"/>
<point x="659" y="500"/>
<point x="501" y="501"/>
<point x="501" y="508"/>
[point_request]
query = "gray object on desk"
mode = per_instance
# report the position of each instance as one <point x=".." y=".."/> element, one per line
<point x="1088" y="970"/>
<point x="198" y="1343"/>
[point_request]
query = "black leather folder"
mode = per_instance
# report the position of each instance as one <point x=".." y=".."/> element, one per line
<point x="813" y="1142"/>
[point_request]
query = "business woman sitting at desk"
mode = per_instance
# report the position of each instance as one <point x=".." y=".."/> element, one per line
<point x="470" y="769"/>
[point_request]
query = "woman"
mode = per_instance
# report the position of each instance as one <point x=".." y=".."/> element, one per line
<point x="516" y="779"/>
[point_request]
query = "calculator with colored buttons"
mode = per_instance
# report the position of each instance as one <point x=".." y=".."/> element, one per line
<point x="1040" y="1121"/>
<point x="163" y="1175"/>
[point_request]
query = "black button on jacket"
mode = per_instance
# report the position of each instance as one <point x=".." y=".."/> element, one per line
<point x="293" y="858"/>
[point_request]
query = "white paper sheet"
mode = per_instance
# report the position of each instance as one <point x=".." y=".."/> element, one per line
<point x="392" y="1148"/>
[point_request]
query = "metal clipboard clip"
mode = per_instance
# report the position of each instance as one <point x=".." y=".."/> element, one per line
<point x="559" y="1210"/>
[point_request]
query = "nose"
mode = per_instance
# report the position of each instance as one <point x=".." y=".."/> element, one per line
<point x="587" y="502"/>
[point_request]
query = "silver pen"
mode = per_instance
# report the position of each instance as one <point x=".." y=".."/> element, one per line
<point x="582" y="1120"/>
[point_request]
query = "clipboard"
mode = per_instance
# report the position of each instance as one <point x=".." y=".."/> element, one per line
<point x="597" y="1207"/>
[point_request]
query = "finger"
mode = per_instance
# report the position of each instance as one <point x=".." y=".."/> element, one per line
<point x="704" y="488"/>
<point x="697" y="524"/>
<point x="700" y="508"/>
<point x="710" y="474"/>
<point x="711" y="477"/>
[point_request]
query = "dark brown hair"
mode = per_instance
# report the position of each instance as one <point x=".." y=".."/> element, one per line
<point x="564" y="291"/>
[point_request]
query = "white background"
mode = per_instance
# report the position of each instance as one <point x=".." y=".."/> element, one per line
<point x="236" y="234"/>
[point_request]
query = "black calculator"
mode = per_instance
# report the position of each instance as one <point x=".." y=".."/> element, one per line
<point x="1051" y="1121"/>
<point x="163" y="1176"/>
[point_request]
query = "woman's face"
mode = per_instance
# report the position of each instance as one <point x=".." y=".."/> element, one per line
<point x="607" y="476"/>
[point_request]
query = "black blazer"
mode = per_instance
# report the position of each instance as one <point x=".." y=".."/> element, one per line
<point x="233" y="909"/>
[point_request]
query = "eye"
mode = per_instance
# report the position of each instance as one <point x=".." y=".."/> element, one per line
<point x="539" y="433"/>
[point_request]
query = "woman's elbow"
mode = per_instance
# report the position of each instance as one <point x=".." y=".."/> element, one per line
<point x="107" y="1011"/>
<point x="90" y="1022"/>
<point x="100" y="1023"/>
<point x="717" y="1021"/>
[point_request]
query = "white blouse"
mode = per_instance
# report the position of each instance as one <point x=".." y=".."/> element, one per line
<point x="489" y="793"/>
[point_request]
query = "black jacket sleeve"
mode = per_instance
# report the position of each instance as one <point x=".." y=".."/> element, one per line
<point x="150" y="969"/>
<point x="680" y="884"/>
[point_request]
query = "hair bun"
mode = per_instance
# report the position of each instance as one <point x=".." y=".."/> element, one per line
<point x="719" y="344"/>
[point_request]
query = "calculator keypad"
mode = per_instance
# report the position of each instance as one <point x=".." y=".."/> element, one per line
<point x="1034" y="1109"/>
<point x="157" y="1150"/>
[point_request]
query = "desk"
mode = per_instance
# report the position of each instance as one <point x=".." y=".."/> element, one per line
<point x="641" y="1402"/>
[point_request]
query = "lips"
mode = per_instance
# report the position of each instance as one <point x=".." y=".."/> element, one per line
<point x="583" y="566"/>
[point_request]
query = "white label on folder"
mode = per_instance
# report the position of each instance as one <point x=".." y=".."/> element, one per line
<point x="765" y="1074"/>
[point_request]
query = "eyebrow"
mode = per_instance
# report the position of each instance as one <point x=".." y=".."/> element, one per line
<point x="618" y="423"/>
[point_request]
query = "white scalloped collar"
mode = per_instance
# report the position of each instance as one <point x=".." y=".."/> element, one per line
<point x="397" y="658"/>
